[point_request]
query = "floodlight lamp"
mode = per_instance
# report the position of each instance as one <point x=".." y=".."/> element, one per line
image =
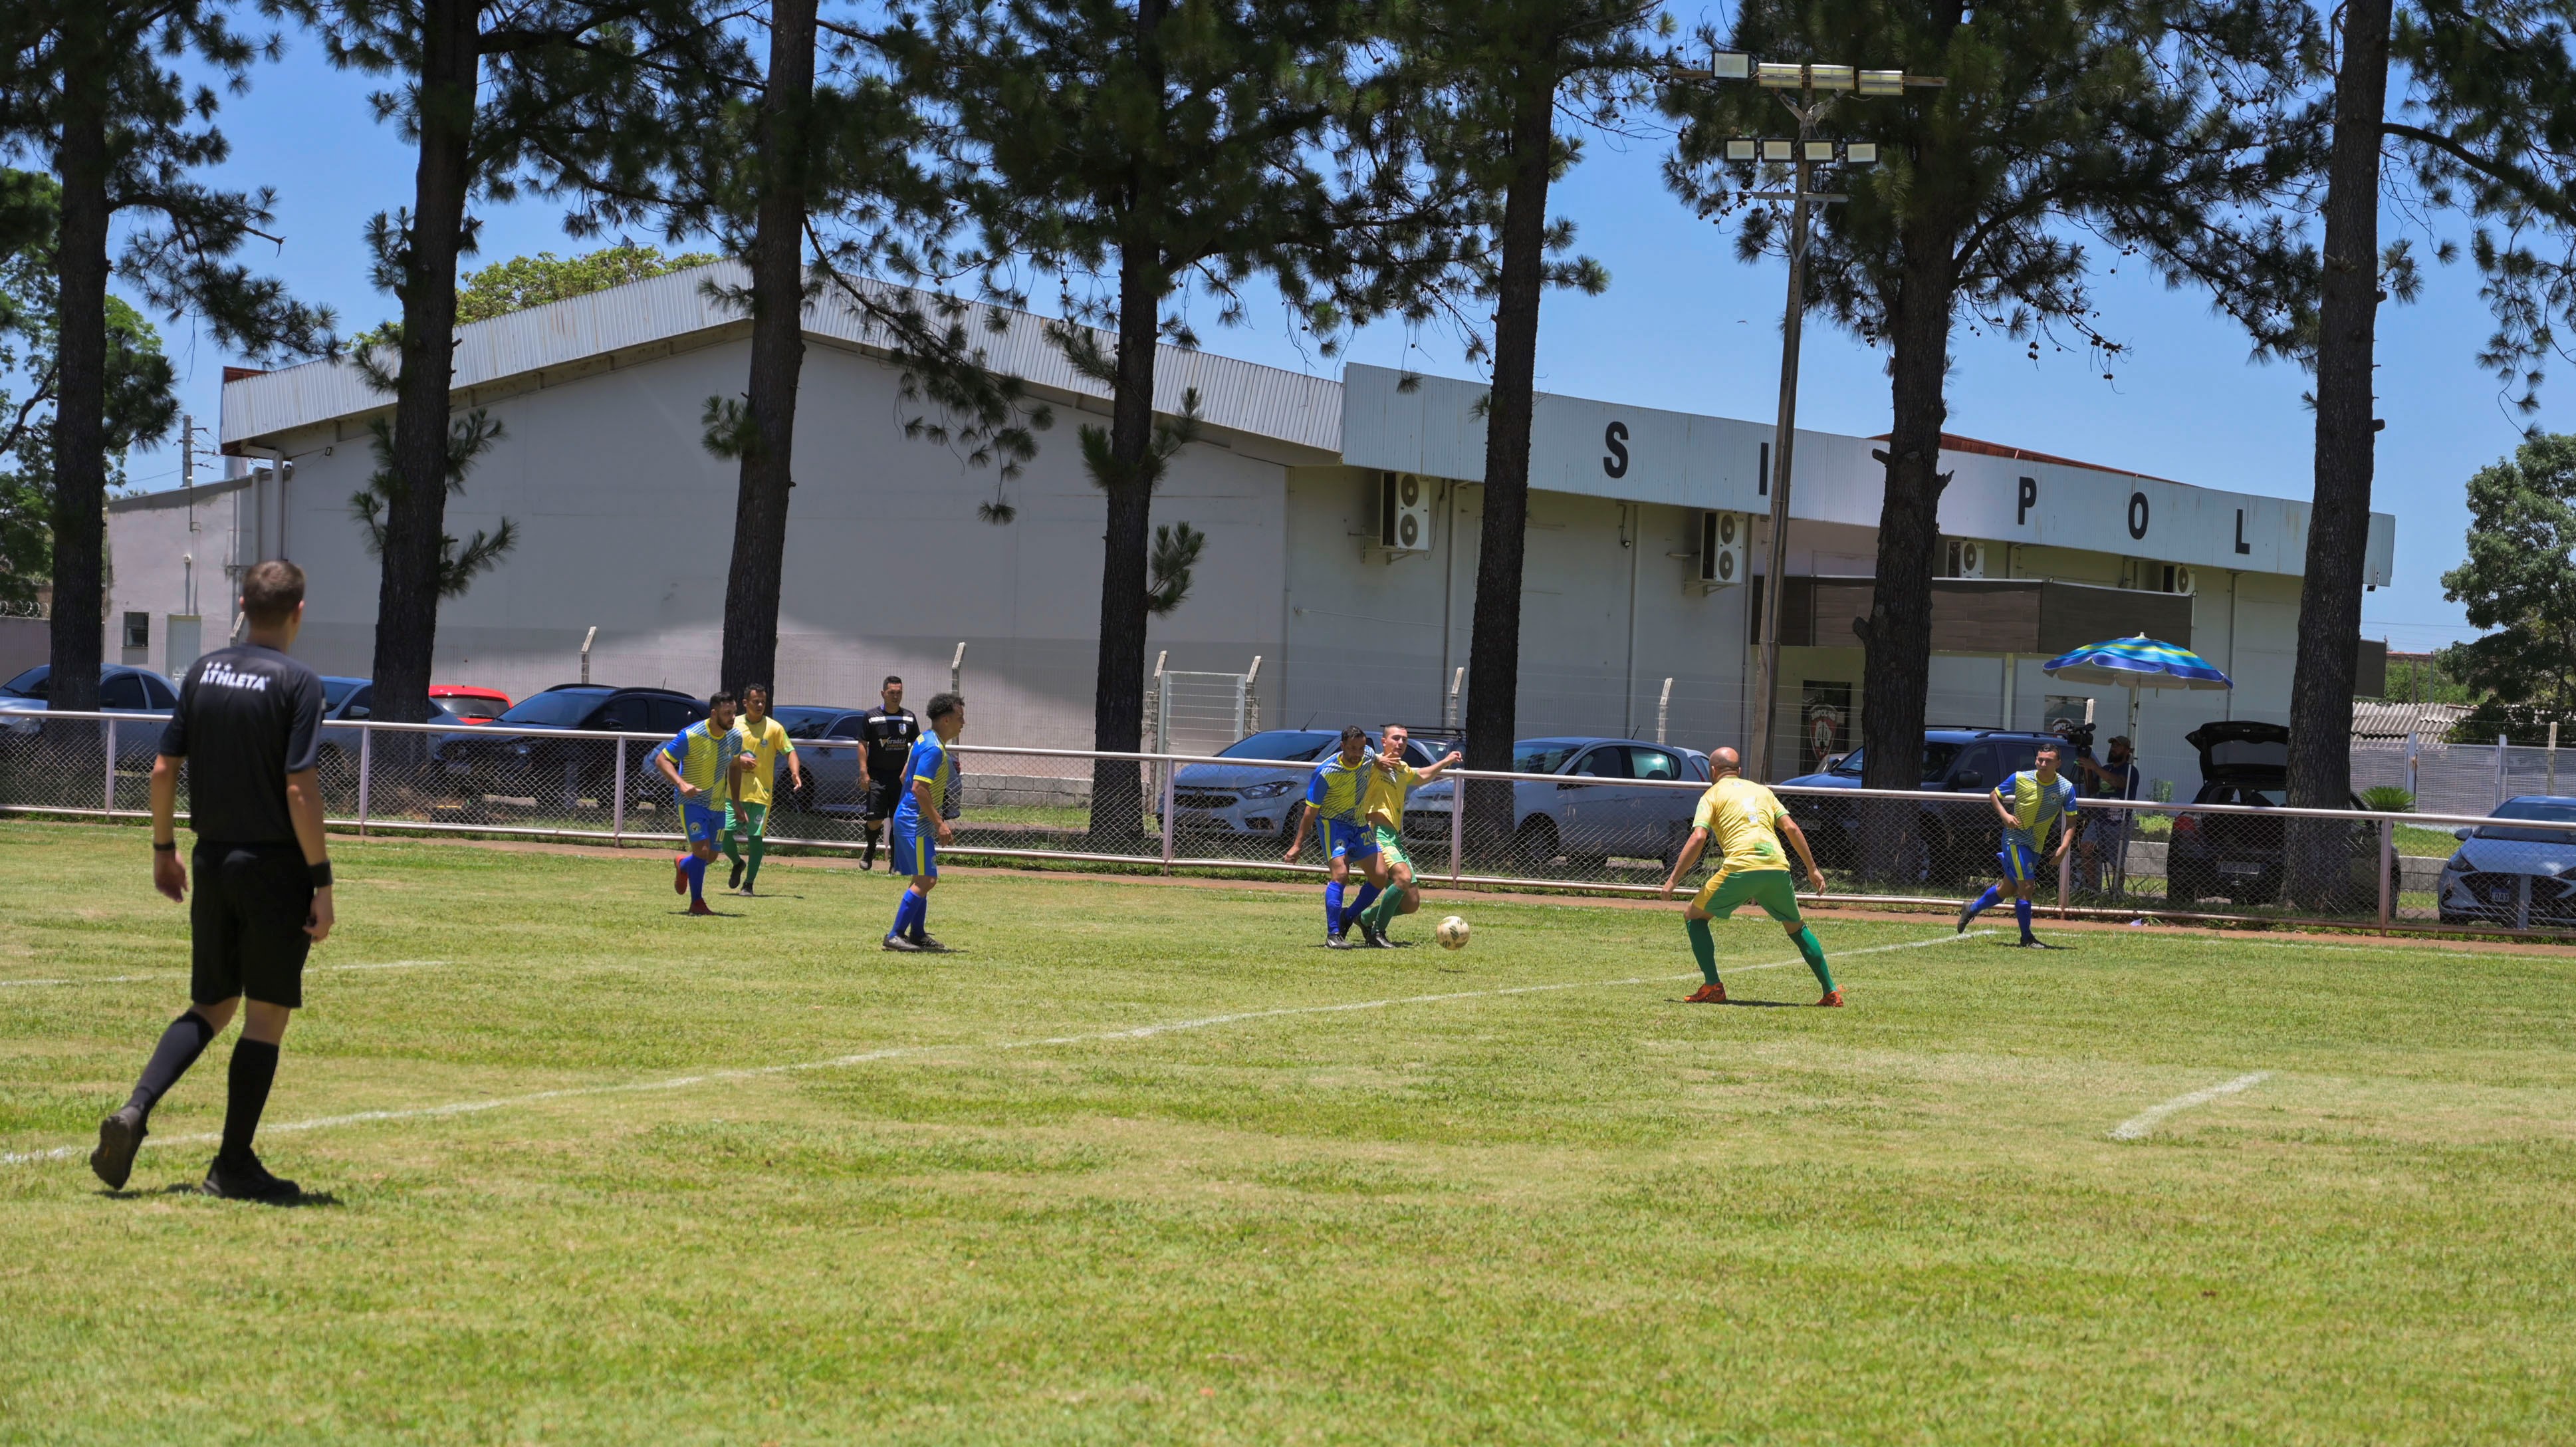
<point x="1779" y="150"/>
<point x="1780" y="75"/>
<point x="1820" y="150"/>
<point x="1740" y="150"/>
<point x="1861" y="153"/>
<point x="1830" y="77"/>
<point x="1730" y="65"/>
<point x="1882" y="82"/>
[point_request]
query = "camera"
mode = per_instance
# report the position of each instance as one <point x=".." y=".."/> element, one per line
<point x="2077" y="735"/>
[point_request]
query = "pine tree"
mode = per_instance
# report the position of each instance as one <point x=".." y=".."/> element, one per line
<point x="2061" y="120"/>
<point x="479" y="83"/>
<point x="84" y="86"/>
<point x="1132" y="152"/>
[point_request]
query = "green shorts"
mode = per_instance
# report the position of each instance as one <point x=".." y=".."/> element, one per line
<point x="751" y="821"/>
<point x="1770" y="888"/>
<point x="1390" y="842"/>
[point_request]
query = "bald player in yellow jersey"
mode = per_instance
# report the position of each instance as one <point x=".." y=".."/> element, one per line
<point x="1748" y="823"/>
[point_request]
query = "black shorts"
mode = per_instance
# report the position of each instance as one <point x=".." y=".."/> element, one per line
<point x="884" y="793"/>
<point x="248" y="918"/>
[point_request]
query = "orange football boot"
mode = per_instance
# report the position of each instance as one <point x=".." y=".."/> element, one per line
<point x="1833" y="1000"/>
<point x="1709" y="994"/>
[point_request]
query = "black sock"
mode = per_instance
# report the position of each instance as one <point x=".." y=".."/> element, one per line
<point x="180" y="1046"/>
<point x="254" y="1069"/>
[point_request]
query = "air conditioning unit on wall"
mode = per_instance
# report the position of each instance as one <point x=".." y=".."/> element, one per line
<point x="1965" y="557"/>
<point x="1724" y="539"/>
<point x="1404" y="512"/>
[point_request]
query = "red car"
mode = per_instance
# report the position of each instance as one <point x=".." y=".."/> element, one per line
<point x="473" y="705"/>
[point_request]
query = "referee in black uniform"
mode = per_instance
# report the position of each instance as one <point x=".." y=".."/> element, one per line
<point x="249" y="726"/>
<point x="887" y="733"/>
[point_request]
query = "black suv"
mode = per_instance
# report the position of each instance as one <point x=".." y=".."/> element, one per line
<point x="1952" y="842"/>
<point x="2243" y="856"/>
<point x="513" y="759"/>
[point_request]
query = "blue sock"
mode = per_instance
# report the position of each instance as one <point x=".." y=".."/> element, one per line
<point x="1333" y="907"/>
<point x="903" y="914"/>
<point x="920" y="915"/>
<point x="696" y="869"/>
<point x="2021" y="912"/>
<point x="1368" y="896"/>
<point x="1985" y="901"/>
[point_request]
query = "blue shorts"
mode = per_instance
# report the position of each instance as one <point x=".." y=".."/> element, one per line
<point x="1345" y="840"/>
<point x="702" y="824"/>
<point x="913" y="847"/>
<point x="2019" y="860"/>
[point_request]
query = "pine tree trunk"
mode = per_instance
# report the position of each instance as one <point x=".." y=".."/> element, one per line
<point x="416" y="515"/>
<point x="1118" y="706"/>
<point x="80" y="402"/>
<point x="2339" y="519"/>
<point x="1494" y="651"/>
<point x="1897" y="636"/>
<point x="1118" y="711"/>
<point x="777" y="352"/>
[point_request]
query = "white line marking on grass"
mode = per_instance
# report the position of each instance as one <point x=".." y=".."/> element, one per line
<point x="892" y="1052"/>
<point x="2138" y="1126"/>
<point x="133" y="979"/>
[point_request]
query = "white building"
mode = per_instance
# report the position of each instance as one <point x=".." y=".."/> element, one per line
<point x="625" y="524"/>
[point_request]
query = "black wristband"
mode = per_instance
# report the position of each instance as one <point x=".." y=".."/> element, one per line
<point x="321" y="874"/>
<point x="170" y="848"/>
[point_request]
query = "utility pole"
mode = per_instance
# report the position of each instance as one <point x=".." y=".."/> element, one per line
<point x="1809" y="92"/>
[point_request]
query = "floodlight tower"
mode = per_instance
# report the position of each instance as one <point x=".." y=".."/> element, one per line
<point x="1810" y="93"/>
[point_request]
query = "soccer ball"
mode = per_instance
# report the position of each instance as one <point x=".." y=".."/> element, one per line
<point x="1452" y="933"/>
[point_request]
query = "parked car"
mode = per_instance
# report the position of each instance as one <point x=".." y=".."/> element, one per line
<point x="122" y="688"/>
<point x="1261" y="803"/>
<point x="346" y="701"/>
<point x="512" y="758"/>
<point x="1590" y="817"/>
<point x="2517" y="877"/>
<point x="470" y="705"/>
<point x="2239" y="856"/>
<point x="1952" y="841"/>
<point x="831" y="774"/>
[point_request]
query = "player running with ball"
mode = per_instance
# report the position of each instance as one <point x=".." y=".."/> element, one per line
<point x="2028" y="802"/>
<point x="1390" y="782"/>
<point x="1743" y="816"/>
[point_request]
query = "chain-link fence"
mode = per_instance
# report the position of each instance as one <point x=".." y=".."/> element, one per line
<point x="1601" y="818"/>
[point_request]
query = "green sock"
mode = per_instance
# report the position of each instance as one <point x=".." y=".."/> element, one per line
<point x="730" y="852"/>
<point x="1381" y="910"/>
<point x="1815" y="954"/>
<point x="1703" y="947"/>
<point x="759" y="845"/>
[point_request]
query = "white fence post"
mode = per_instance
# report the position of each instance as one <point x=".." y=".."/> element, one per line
<point x="2414" y="749"/>
<point x="1663" y="710"/>
<point x="366" y="769"/>
<point x="2499" y="769"/>
<point x="1252" y="698"/>
<point x="110" y="795"/>
<point x="1457" y="824"/>
<point x="2553" y="756"/>
<point x="1169" y="774"/>
<point x="2387" y="871"/>
<point x="617" y="797"/>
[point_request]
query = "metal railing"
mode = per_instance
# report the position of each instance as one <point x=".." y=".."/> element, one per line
<point x="2129" y="859"/>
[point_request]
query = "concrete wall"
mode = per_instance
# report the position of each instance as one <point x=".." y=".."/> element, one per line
<point x="627" y="523"/>
<point x="167" y="559"/>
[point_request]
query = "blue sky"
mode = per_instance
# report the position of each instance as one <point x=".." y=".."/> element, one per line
<point x="1683" y="326"/>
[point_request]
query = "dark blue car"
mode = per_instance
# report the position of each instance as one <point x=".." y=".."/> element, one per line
<point x="1952" y="842"/>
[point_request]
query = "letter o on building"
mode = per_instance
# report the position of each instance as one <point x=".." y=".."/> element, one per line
<point x="2137" y="515"/>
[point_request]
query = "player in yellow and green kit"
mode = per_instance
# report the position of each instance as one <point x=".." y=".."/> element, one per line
<point x="2028" y="802"/>
<point x="762" y="741"/>
<point x="1748" y="822"/>
<point x="1391" y="780"/>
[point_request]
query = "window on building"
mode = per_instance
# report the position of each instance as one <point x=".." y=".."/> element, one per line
<point x="138" y="630"/>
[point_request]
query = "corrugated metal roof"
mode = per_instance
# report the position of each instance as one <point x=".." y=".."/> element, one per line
<point x="2377" y="719"/>
<point x="1233" y="394"/>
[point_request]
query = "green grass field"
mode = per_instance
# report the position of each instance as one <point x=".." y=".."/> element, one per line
<point x="587" y="1171"/>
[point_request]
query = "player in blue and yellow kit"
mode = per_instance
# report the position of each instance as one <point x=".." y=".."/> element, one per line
<point x="2029" y="803"/>
<point x="1333" y="799"/>
<point x="702" y="762"/>
<point x="920" y="824"/>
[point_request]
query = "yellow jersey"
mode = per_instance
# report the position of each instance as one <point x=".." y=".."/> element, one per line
<point x="1744" y="820"/>
<point x="1383" y="802"/>
<point x="764" y="744"/>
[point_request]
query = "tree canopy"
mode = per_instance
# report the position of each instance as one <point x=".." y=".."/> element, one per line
<point x="2518" y="584"/>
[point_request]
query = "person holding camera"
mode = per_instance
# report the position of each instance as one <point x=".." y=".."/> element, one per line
<point x="2104" y="829"/>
